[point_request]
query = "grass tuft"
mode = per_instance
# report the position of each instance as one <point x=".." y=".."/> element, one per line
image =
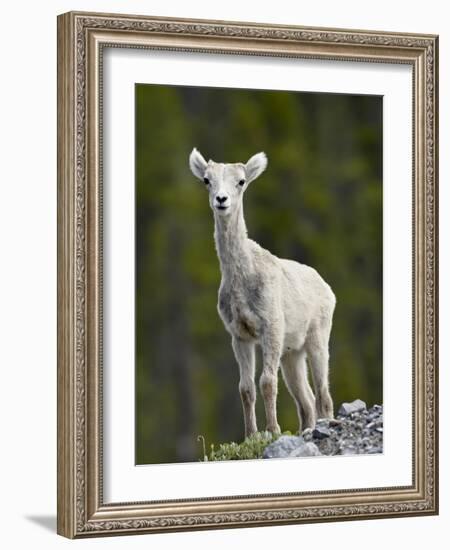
<point x="252" y="447"/>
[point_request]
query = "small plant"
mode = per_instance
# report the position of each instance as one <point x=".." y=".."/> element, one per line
<point x="201" y="440"/>
<point x="252" y="447"/>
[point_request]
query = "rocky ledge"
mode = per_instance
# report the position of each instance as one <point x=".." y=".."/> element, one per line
<point x="355" y="430"/>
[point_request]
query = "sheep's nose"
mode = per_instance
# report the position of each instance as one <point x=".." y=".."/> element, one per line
<point x="221" y="199"/>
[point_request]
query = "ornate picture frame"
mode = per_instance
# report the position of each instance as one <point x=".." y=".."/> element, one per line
<point x="82" y="38"/>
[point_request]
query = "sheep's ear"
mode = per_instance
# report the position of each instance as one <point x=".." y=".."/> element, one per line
<point x="255" y="166"/>
<point x="197" y="164"/>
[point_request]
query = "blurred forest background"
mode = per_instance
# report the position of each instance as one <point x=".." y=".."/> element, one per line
<point x="319" y="202"/>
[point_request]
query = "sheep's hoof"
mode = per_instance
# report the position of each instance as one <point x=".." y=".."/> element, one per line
<point x="274" y="429"/>
<point x="251" y="431"/>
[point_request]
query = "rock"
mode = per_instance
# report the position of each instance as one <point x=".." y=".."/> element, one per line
<point x="283" y="446"/>
<point x="306" y="449"/>
<point x="347" y="409"/>
<point x="375" y="451"/>
<point x="321" y="432"/>
<point x="349" y="451"/>
<point x="356" y="431"/>
<point x="327" y="446"/>
<point x="335" y="422"/>
<point x="290" y="446"/>
<point x="322" y="422"/>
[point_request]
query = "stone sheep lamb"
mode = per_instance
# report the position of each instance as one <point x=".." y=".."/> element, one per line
<point x="282" y="305"/>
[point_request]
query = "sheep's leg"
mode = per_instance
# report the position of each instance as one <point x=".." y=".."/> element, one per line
<point x="317" y="349"/>
<point x="293" y="367"/>
<point x="268" y="382"/>
<point x="245" y="356"/>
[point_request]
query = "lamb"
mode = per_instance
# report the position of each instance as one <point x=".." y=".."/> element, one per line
<point x="281" y="305"/>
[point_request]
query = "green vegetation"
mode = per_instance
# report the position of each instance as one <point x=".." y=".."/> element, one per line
<point x="319" y="202"/>
<point x="252" y="447"/>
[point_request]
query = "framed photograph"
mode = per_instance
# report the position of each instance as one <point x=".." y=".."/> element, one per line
<point x="247" y="274"/>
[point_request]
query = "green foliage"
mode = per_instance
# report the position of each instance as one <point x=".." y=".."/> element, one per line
<point x="252" y="447"/>
<point x="319" y="202"/>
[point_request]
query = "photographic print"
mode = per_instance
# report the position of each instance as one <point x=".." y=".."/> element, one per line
<point x="258" y="274"/>
<point x="247" y="280"/>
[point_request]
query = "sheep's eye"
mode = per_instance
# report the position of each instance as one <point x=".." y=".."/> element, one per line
<point x="241" y="182"/>
<point x="206" y="180"/>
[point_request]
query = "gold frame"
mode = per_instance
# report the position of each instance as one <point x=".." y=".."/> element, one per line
<point x="81" y="39"/>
